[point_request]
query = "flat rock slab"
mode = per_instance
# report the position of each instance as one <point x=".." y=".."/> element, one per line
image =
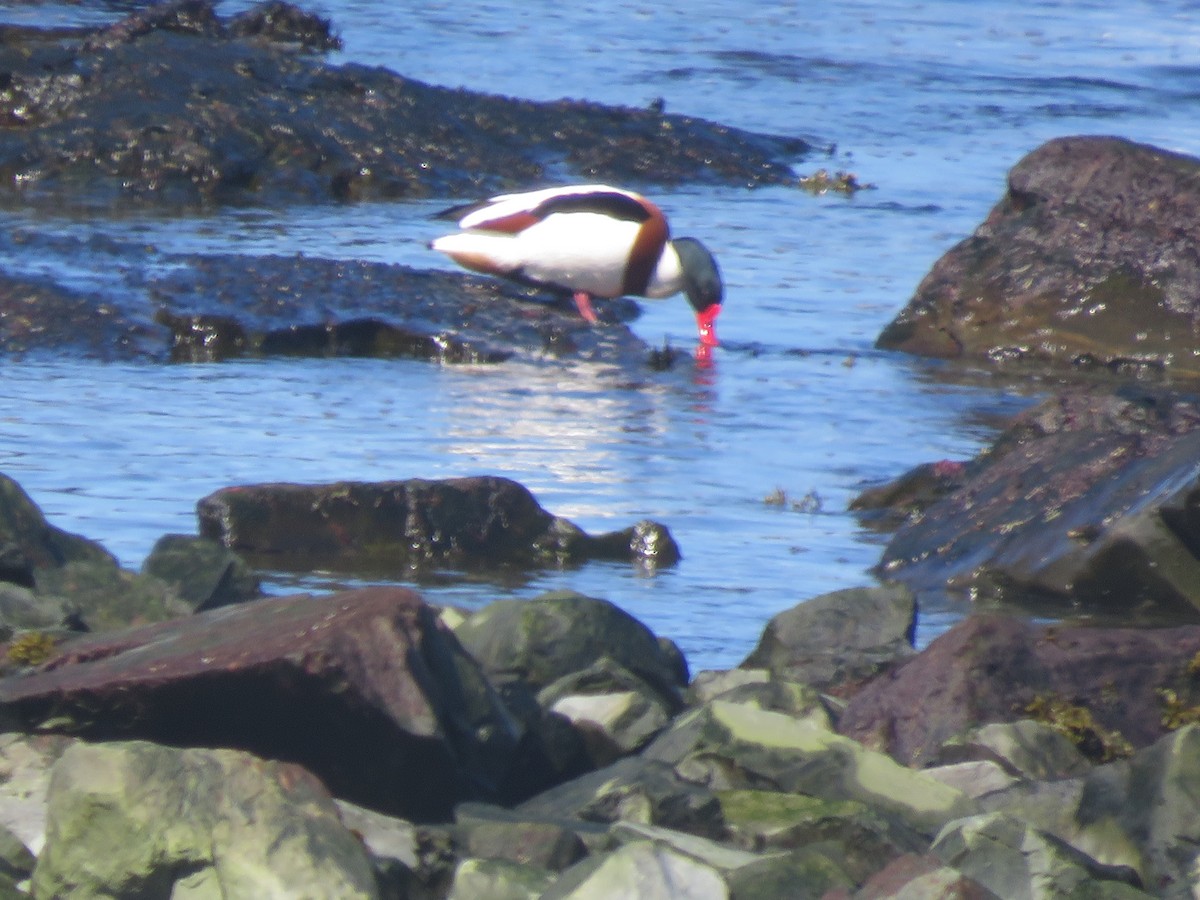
<point x="1131" y="681"/>
<point x="1086" y="503"/>
<point x="1092" y="257"/>
<point x="176" y="106"/>
<point x="363" y="688"/>
<point x="479" y="522"/>
<point x="128" y="301"/>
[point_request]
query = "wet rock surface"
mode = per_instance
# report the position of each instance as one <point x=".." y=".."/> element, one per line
<point x="1093" y="234"/>
<point x="177" y="106"/>
<point x="1086" y="503"/>
<point x="139" y="304"/>
<point x="477" y="522"/>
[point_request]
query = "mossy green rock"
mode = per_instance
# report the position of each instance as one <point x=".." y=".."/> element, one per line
<point x="731" y="746"/>
<point x="843" y="636"/>
<point x="1145" y="811"/>
<point x="853" y="833"/>
<point x="541" y="640"/>
<point x="498" y="879"/>
<point x="645" y="870"/>
<point x="805" y="874"/>
<point x="134" y="819"/>
<point x="107" y="597"/>
<point x="1018" y="862"/>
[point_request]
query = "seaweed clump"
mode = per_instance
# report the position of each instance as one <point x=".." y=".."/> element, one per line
<point x="1078" y="725"/>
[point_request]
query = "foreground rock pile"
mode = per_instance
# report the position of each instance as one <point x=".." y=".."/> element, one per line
<point x="367" y="744"/>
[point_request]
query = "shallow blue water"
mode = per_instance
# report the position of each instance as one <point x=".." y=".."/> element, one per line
<point x="933" y="102"/>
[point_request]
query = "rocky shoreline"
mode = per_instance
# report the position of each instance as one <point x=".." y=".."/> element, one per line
<point x="172" y="732"/>
<point x="376" y="746"/>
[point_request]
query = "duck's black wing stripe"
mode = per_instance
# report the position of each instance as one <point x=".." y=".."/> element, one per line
<point x="618" y="206"/>
<point x="455" y="213"/>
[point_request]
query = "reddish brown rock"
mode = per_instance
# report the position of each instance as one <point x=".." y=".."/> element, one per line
<point x="363" y="688"/>
<point x="1091" y="257"/>
<point x="991" y="669"/>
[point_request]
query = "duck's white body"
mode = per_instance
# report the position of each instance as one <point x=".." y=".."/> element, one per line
<point x="593" y="240"/>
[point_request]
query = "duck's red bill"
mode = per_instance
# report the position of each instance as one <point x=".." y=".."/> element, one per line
<point x="706" y="322"/>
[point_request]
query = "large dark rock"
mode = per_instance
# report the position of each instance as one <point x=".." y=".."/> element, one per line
<point x="1086" y="502"/>
<point x="177" y="106"/>
<point x="480" y="522"/>
<point x="1090" y="257"/>
<point x="363" y="688"/>
<point x="1110" y="686"/>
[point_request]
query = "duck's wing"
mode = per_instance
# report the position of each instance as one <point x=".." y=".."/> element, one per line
<point x="512" y="213"/>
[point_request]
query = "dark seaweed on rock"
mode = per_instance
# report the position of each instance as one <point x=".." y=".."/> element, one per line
<point x="175" y="106"/>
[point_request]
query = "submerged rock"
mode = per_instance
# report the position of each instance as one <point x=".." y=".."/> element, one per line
<point x="1090" y="259"/>
<point x="479" y="522"/>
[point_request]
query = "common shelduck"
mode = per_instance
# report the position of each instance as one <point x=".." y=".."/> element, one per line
<point x="592" y="240"/>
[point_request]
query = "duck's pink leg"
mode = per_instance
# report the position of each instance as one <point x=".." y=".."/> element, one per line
<point x="583" y="302"/>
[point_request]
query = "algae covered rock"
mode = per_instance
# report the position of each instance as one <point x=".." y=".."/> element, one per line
<point x="1093" y="233"/>
<point x="137" y="819"/>
<point x="633" y="789"/>
<point x="498" y="879"/>
<point x="1145" y="813"/>
<point x="843" y="636"/>
<point x="49" y="576"/>
<point x="730" y="746"/>
<point x="643" y="869"/>
<point x="560" y="633"/>
<point x="1019" y="862"/>
<point x="205" y="574"/>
